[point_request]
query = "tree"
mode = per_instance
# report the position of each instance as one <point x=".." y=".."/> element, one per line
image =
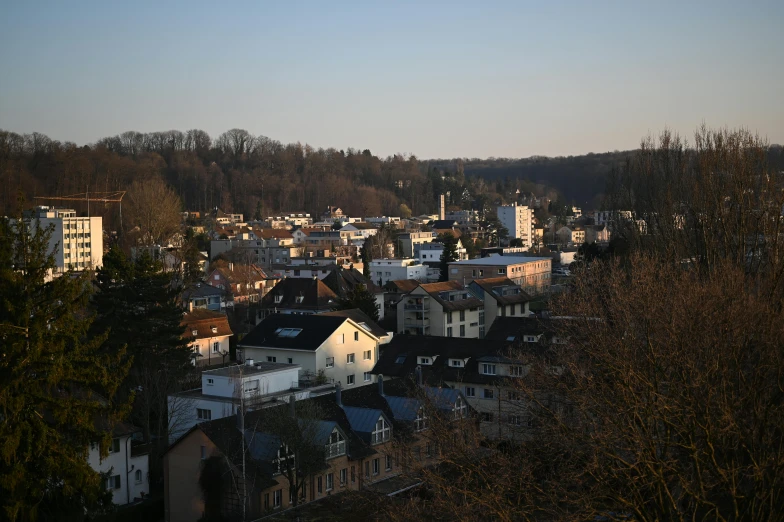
<point x="404" y="211"/>
<point x="154" y="208"/>
<point x="448" y="254"/>
<point x="364" y="254"/>
<point x="192" y="271"/>
<point x="360" y="297"/>
<point x="516" y="242"/>
<point x="337" y="225"/>
<point x="57" y="386"/>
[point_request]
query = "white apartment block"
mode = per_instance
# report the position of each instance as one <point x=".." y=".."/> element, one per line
<point x="441" y="309"/>
<point x="77" y="242"/>
<point x="519" y="221"/>
<point x="394" y="269"/>
<point x="126" y="466"/>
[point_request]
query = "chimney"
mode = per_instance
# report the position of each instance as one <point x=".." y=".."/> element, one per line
<point x="380" y="384"/>
<point x="441" y="207"/>
<point x="248" y="362"/>
<point x="419" y="375"/>
<point x="338" y="395"/>
<point x="292" y="406"/>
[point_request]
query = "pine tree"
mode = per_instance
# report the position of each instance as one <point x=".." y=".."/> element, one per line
<point x="57" y="385"/>
<point x="364" y="254"/>
<point x="448" y="255"/>
<point x="360" y="297"/>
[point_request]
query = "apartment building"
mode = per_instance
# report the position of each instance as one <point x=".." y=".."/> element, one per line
<point x="519" y="221"/>
<point x="441" y="309"/>
<point x="393" y="269"/>
<point x="501" y="298"/>
<point x="126" y="467"/>
<point x="407" y="241"/>
<point x="532" y="274"/>
<point x="77" y="242"/>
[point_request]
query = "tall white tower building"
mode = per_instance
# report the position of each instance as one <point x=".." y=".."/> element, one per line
<point x="76" y="241"/>
<point x="519" y="221"/>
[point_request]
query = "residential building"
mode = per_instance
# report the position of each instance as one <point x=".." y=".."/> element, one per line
<point x="242" y="283"/>
<point x="571" y="234"/>
<point x="597" y="234"/>
<point x="501" y="298"/>
<point x="390" y="221"/>
<point x="408" y="240"/>
<point x="76" y="242"/>
<point x="207" y="333"/>
<point x="332" y="213"/>
<point x="431" y="252"/>
<point x="126" y="467"/>
<point x="292" y="219"/>
<point x="391" y="269"/>
<point x="336" y="347"/>
<point x="440" y="309"/>
<point x="519" y="221"/>
<point x="299" y="296"/>
<point x="394" y="291"/>
<point x="532" y="274"/>
<point x="203" y="296"/>
<point x="344" y="281"/>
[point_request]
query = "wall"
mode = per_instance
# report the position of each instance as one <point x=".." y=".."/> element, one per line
<point x="181" y="470"/>
<point x="116" y="462"/>
<point x="205" y="349"/>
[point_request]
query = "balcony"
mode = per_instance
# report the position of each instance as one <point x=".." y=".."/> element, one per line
<point x="414" y="306"/>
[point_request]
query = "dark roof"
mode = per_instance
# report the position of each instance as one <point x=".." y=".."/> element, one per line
<point x="359" y="317"/>
<point x="494" y="286"/>
<point x="200" y="290"/>
<point x="435" y="289"/>
<point x="401" y="357"/>
<point x="315" y="295"/>
<point x="314" y="330"/>
<point x="342" y="281"/>
<point x="442" y="224"/>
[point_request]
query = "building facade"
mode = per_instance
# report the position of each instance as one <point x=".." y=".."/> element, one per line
<point x="76" y="242"/>
<point x="519" y="221"/>
<point x="532" y="274"/>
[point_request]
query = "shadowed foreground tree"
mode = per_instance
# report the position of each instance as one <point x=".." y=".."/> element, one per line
<point x="56" y="385"/>
<point x="360" y="297"/>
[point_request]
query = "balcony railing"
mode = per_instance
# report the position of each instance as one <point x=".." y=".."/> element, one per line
<point x="411" y="306"/>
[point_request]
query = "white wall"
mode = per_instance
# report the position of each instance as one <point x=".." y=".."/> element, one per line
<point x="115" y="463"/>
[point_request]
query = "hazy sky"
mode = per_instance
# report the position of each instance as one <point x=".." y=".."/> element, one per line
<point x="436" y="79"/>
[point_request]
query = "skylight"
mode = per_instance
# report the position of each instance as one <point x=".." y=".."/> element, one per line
<point x="400" y="359"/>
<point x="365" y="326"/>
<point x="288" y="332"/>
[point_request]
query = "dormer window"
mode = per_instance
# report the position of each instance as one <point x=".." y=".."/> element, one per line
<point x="278" y="298"/>
<point x="214" y="329"/>
<point x="194" y="332"/>
<point x="336" y="445"/>
<point x="460" y="408"/>
<point x="425" y="360"/>
<point x="456" y="363"/>
<point x="421" y="421"/>
<point x="299" y="299"/>
<point x="488" y="369"/>
<point x="382" y="431"/>
<point x="284" y="459"/>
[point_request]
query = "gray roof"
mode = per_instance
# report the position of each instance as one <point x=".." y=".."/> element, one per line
<point x="404" y="408"/>
<point x="362" y="420"/>
<point x="500" y="260"/>
<point x="257" y="368"/>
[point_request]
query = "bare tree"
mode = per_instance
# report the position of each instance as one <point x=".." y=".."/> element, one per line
<point x="154" y="208"/>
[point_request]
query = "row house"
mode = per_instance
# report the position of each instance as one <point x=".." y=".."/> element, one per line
<point x="281" y="456"/>
<point x="207" y="333"/>
<point x="340" y="346"/>
<point x="444" y="309"/>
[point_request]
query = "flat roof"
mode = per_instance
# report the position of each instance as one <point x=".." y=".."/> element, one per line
<point x="257" y="368"/>
<point x="500" y="260"/>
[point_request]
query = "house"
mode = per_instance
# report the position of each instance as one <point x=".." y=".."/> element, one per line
<point x="571" y="234"/>
<point x="201" y="295"/>
<point x="251" y="386"/>
<point x="207" y="333"/>
<point x="339" y="347"/>
<point x="359" y="439"/>
<point x="431" y="252"/>
<point x="299" y="296"/>
<point x="483" y="370"/>
<point x="443" y="224"/>
<point x="531" y="273"/>
<point x="597" y="234"/>
<point x="395" y="290"/>
<point x="441" y="309"/>
<point x="243" y="283"/>
<point x="127" y="467"/>
<point x="393" y="269"/>
<point x="343" y="281"/>
<point x="332" y="213"/>
<point x="501" y="298"/>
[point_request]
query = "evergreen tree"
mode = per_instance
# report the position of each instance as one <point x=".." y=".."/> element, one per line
<point x="360" y="298"/>
<point x="364" y="254"/>
<point x="448" y="255"/>
<point x="192" y="272"/>
<point x="138" y="304"/>
<point x="57" y="386"/>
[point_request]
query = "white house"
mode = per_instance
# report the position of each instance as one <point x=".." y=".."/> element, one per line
<point x="331" y="346"/>
<point x="126" y="467"/>
<point x="394" y="269"/>
<point x="208" y="335"/>
<point x="441" y="309"/>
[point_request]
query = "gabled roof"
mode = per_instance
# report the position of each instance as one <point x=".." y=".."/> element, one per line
<point x="342" y="281"/>
<point x="361" y="318"/>
<point x="492" y="286"/>
<point x="300" y="332"/>
<point x="402" y="286"/>
<point x="435" y="289"/>
<point x="314" y="295"/>
<point x="200" y="290"/>
<point x="272" y="233"/>
<point x="236" y="273"/>
<point x="205" y="323"/>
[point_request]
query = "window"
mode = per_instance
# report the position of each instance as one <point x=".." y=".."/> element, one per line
<point x="291" y="360"/>
<point x="488" y="393"/>
<point x="470" y="391"/>
<point x="512" y="310"/>
<point x="210" y="381"/>
<point x="389" y="463"/>
<point x="341" y="338"/>
<point x="330" y="481"/>
<point x="350" y="358"/>
<point x="277" y="498"/>
<point x="216" y="347"/>
<point x="356" y="336"/>
<point x="462" y="330"/>
<point x="428" y="450"/>
<point x="421" y="420"/>
<point x="251" y="386"/>
<point x="376" y="466"/>
<point x="449" y="332"/>
<point x="366" y="376"/>
<point x="514" y="395"/>
<point x="330" y="362"/>
<point x="515" y="420"/>
<point x="203" y="414"/>
<point x="343" y="476"/>
<point x="203" y="453"/>
<point x="488" y="369"/>
<point x="114" y="447"/>
<point x="270" y="358"/>
<point x="462" y="315"/>
<point x="424" y="360"/>
<point x="367" y="355"/>
<point x="516" y="371"/>
<point x="350" y="379"/>
<point x="319" y="484"/>
<point x="112" y="482"/>
<point x="456" y="363"/>
<point x="460" y="408"/>
<point x="336" y="445"/>
<point x="194" y="333"/>
<point x="137" y="476"/>
<point x="530" y="339"/>
<point x="278" y="298"/>
<point x="487" y="416"/>
<point x="481" y="273"/>
<point x="382" y="431"/>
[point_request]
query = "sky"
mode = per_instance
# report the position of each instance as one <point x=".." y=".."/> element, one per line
<point x="434" y="79"/>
